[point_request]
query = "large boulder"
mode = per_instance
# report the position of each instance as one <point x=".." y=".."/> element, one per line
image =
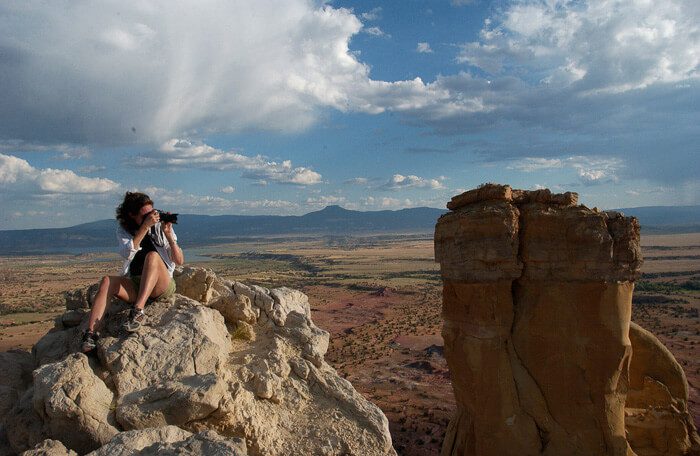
<point x="133" y="442"/>
<point x="222" y="368"/>
<point x="656" y="411"/>
<point x="205" y="442"/>
<point x="171" y="440"/>
<point x="49" y="447"/>
<point x="74" y="404"/>
<point x="196" y="283"/>
<point x="179" y="340"/>
<point x="176" y="402"/>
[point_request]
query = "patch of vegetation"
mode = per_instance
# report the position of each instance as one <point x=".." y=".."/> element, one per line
<point x="25" y="317"/>
<point x="667" y="248"/>
<point x="674" y="257"/>
<point x="430" y="275"/>
<point x="657" y="275"/>
<point x="359" y="287"/>
<point x="295" y="261"/>
<point x="656" y="299"/>
<point x="240" y="333"/>
<point x="668" y="287"/>
<point x="693" y="285"/>
<point x="6" y="310"/>
<point x="656" y="287"/>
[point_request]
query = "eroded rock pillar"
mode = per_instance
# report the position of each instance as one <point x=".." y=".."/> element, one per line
<point x="537" y="298"/>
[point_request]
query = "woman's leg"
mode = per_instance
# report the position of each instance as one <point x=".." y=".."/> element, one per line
<point x="119" y="286"/>
<point x="154" y="279"/>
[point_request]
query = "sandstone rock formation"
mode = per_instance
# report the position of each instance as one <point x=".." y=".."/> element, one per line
<point x="537" y="294"/>
<point x="656" y="411"/>
<point x="223" y="368"/>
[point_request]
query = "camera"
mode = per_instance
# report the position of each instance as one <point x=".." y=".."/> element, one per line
<point x="165" y="217"/>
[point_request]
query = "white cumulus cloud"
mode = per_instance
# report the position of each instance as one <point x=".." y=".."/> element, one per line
<point x="589" y="169"/>
<point x="423" y="48"/>
<point x="182" y="153"/>
<point x="384" y="203"/>
<point x="106" y="73"/>
<point x="325" y="200"/>
<point x="602" y="45"/>
<point x="376" y="31"/>
<point x="18" y="175"/>
<point x="65" y="151"/>
<point x="357" y="181"/>
<point x="179" y="200"/>
<point x="530" y="164"/>
<point x="146" y="72"/>
<point x="399" y="182"/>
<point x="373" y="14"/>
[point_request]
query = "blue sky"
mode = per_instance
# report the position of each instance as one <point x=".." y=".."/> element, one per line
<point x="284" y="107"/>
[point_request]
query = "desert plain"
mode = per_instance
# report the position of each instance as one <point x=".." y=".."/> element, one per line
<point x="380" y="298"/>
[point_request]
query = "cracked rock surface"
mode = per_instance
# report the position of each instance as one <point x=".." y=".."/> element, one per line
<point x="223" y="368"/>
<point x="537" y="295"/>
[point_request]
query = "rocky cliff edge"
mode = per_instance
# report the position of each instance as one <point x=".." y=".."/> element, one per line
<point x="222" y="368"/>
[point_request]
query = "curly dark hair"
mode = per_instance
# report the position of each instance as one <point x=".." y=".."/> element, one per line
<point x="132" y="204"/>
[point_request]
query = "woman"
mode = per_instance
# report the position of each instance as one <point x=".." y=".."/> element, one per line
<point x="150" y="250"/>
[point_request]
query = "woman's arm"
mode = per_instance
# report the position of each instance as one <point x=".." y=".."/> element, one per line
<point x="129" y="245"/>
<point x="175" y="251"/>
<point x="140" y="234"/>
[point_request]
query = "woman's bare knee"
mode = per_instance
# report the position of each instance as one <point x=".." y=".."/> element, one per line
<point x="152" y="257"/>
<point x="114" y="285"/>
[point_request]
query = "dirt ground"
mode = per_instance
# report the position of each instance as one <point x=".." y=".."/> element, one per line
<point x="667" y="302"/>
<point x="380" y="298"/>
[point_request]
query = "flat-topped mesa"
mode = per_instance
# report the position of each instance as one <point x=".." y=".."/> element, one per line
<point x="537" y="296"/>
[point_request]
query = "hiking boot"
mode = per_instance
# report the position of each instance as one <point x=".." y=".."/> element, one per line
<point x="89" y="342"/>
<point x="137" y="317"/>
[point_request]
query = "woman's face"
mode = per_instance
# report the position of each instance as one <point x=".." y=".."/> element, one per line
<point x="138" y="218"/>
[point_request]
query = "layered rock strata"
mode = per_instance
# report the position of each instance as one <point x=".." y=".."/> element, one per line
<point x="537" y="294"/>
<point x="223" y="368"/>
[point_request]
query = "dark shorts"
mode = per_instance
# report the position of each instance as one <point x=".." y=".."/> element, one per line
<point x="167" y="294"/>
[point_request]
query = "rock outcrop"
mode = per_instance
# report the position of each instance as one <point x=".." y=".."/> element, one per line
<point x="222" y="368"/>
<point x="49" y="448"/>
<point x="537" y="294"/>
<point x="656" y="411"/>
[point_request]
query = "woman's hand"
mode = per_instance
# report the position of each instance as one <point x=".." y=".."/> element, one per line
<point x="175" y="251"/>
<point x="150" y="219"/>
<point x="168" y="228"/>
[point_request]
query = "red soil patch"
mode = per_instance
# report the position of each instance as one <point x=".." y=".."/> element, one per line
<point x="388" y="346"/>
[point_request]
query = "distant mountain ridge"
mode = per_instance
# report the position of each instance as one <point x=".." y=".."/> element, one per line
<point x="195" y="230"/>
<point x="673" y="219"/>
